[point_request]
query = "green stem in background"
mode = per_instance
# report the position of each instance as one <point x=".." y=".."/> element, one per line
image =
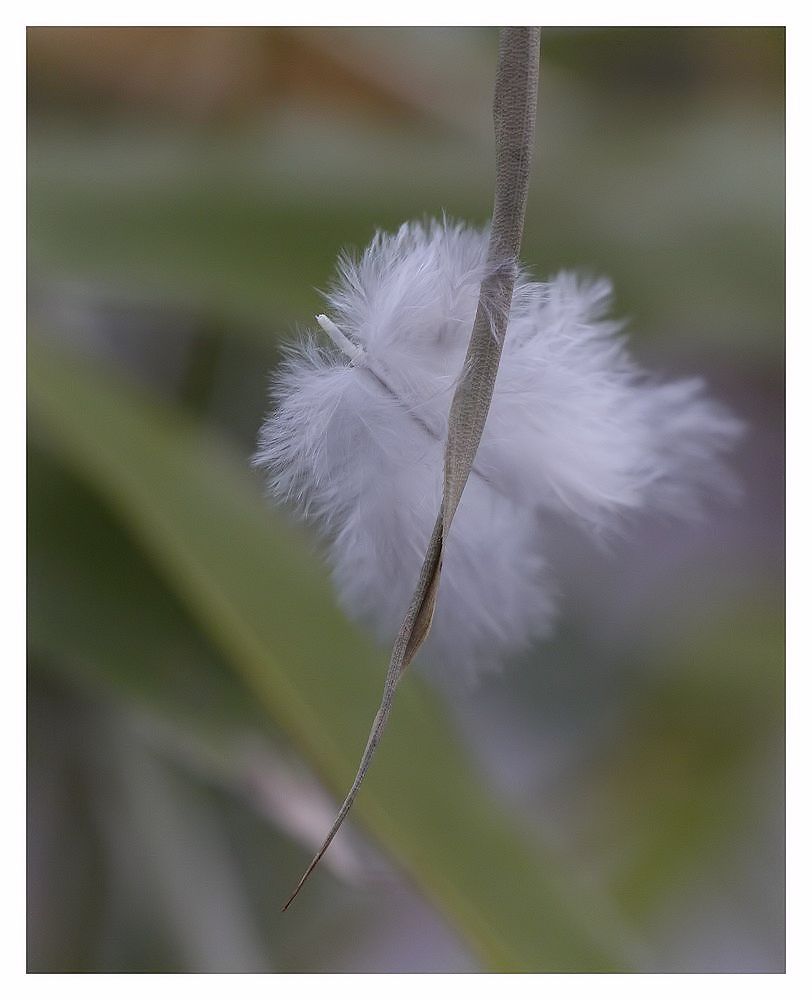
<point x="514" y="112"/>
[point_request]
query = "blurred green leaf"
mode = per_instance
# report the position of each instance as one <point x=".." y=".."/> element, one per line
<point x="679" y="202"/>
<point x="100" y="615"/>
<point x="685" y="776"/>
<point x="222" y="228"/>
<point x="131" y="863"/>
<point x="264" y="601"/>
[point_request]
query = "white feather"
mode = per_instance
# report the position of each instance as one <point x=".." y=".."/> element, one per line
<point x="355" y="440"/>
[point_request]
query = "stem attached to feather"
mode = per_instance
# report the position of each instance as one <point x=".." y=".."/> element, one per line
<point x="514" y="112"/>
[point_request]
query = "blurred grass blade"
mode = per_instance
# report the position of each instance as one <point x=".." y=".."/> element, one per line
<point x="262" y="599"/>
<point x="101" y="618"/>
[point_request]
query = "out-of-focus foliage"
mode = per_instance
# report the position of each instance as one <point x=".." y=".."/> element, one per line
<point x="255" y="592"/>
<point x="188" y="191"/>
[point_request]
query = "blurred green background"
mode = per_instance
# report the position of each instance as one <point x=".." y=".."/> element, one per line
<point x="615" y="800"/>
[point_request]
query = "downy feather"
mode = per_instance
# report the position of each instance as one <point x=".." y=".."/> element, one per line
<point x="356" y="435"/>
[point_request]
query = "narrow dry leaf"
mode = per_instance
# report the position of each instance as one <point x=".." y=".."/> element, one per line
<point x="515" y="98"/>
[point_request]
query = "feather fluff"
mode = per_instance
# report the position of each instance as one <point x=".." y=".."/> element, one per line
<point x="356" y="435"/>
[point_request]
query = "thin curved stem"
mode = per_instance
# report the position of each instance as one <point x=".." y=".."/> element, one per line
<point x="514" y="112"/>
